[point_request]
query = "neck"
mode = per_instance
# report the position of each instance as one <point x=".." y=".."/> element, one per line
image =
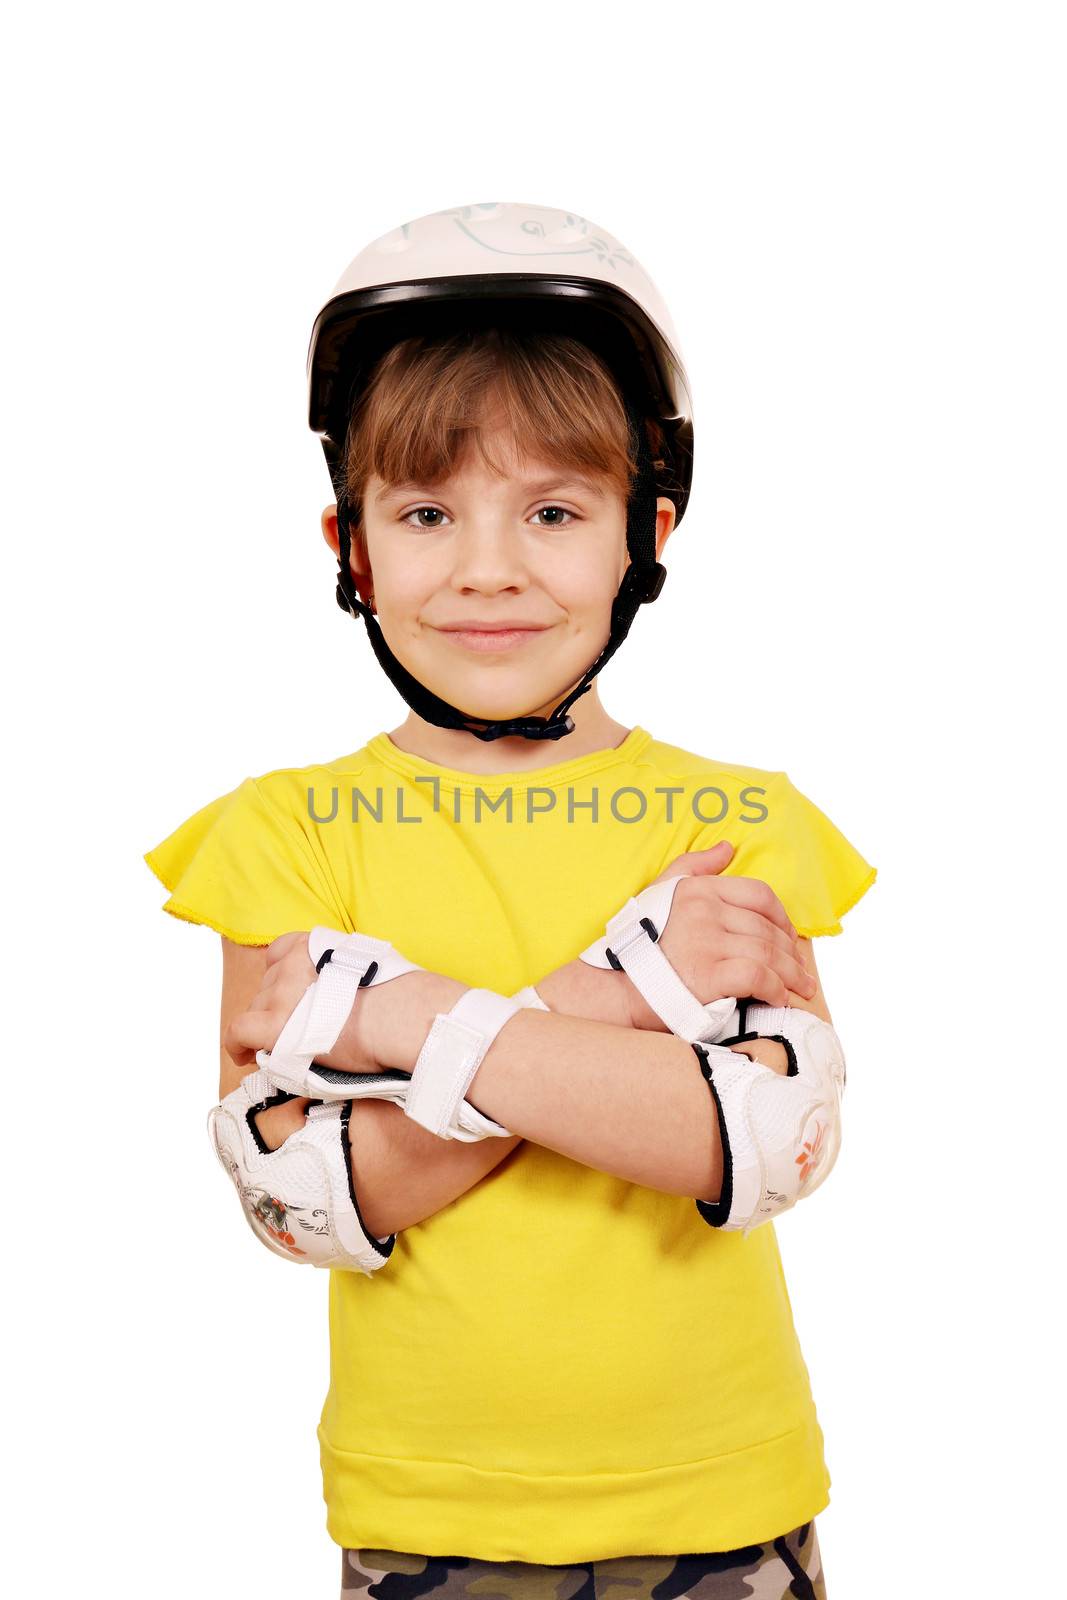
<point x="594" y="730"/>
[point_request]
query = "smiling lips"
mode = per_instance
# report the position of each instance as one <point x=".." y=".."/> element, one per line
<point x="488" y="638"/>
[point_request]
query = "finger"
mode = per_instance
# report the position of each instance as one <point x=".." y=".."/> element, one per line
<point x="713" y="859"/>
<point x="697" y="862"/>
<point x="755" y="895"/>
<point x="791" y="973"/>
<point x="280" y="947"/>
<point x="251" y="1031"/>
<point x="754" y="925"/>
<point x="749" y="979"/>
<point x="240" y="1056"/>
<point x="265" y="998"/>
<point x="285" y="983"/>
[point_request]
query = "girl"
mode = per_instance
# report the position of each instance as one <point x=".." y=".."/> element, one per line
<point x="563" y="1360"/>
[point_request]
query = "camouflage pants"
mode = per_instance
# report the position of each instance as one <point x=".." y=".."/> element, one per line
<point x="788" y="1568"/>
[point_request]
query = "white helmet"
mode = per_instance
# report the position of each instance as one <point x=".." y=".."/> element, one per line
<point x="530" y="265"/>
<point x="540" y="270"/>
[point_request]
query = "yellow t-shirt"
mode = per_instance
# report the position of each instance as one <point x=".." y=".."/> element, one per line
<point x="559" y="1366"/>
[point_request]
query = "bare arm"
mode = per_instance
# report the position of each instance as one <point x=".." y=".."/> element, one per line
<point x="625" y="1101"/>
<point x="596" y="1108"/>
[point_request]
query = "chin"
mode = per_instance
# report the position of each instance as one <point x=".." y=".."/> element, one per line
<point x="494" y="708"/>
<point x="492" y="694"/>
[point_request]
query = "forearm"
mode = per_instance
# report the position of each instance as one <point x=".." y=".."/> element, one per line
<point x="581" y="990"/>
<point x="403" y="1174"/>
<point x="628" y="1102"/>
<point x="585" y="1089"/>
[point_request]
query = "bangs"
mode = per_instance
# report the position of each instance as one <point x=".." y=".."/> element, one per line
<point x="430" y="401"/>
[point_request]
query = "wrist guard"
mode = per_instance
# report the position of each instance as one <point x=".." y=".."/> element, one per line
<point x="631" y="945"/>
<point x="451" y="1054"/>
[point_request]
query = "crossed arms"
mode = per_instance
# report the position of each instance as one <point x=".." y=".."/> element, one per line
<point x="575" y="1080"/>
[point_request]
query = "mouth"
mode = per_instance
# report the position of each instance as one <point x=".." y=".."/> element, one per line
<point x="491" y="640"/>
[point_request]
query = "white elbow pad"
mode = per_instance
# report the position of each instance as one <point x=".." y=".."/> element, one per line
<point x="780" y="1135"/>
<point x="631" y="945"/>
<point x="433" y="1093"/>
<point x="299" y="1200"/>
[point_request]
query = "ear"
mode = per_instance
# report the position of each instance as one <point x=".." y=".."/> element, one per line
<point x="665" y="514"/>
<point x="329" y="530"/>
<point x="358" y="565"/>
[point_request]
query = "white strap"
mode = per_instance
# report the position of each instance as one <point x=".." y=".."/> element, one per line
<point x="631" y="944"/>
<point x="450" y="1056"/>
<point x="315" y="1024"/>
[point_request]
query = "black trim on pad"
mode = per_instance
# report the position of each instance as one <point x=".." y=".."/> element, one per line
<point x="384" y="1250"/>
<point x="716" y="1212"/>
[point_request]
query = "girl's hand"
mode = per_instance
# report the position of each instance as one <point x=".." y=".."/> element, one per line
<point x="386" y="1027"/>
<point x="289" y="971"/>
<point x="727" y="936"/>
<point x="388" y="1023"/>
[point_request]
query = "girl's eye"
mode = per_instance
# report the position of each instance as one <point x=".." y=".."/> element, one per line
<point x="420" y="511"/>
<point x="558" y="513"/>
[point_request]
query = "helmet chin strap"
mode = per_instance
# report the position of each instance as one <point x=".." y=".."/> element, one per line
<point x="641" y="583"/>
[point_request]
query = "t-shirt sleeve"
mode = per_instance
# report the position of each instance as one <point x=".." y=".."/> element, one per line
<point x="814" y="870"/>
<point x="243" y="866"/>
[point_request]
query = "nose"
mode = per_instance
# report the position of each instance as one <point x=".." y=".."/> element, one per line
<point x="488" y="555"/>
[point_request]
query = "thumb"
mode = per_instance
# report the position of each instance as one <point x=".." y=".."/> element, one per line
<point x="714" y="859"/>
<point x="695" y="862"/>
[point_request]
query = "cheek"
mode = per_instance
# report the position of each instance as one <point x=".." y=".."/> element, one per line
<point x="401" y="580"/>
<point x="585" y="584"/>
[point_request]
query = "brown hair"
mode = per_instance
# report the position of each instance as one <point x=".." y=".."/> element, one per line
<point x="428" y="397"/>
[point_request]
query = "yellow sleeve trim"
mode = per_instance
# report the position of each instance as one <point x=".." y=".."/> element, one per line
<point x="185" y="914"/>
<point x="853" y="899"/>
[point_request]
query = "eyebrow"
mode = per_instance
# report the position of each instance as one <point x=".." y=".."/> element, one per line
<point x="554" y="485"/>
<point x="539" y="486"/>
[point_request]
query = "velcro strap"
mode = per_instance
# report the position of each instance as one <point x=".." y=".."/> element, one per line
<point x="450" y="1056"/>
<point x="631" y="944"/>
<point x="314" y="1026"/>
<point x="659" y="985"/>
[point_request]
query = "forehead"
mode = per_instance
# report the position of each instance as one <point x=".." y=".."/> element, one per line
<point x="531" y="481"/>
<point x="525" y="473"/>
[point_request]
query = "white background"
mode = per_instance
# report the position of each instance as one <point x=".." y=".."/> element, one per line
<point x="856" y="214"/>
